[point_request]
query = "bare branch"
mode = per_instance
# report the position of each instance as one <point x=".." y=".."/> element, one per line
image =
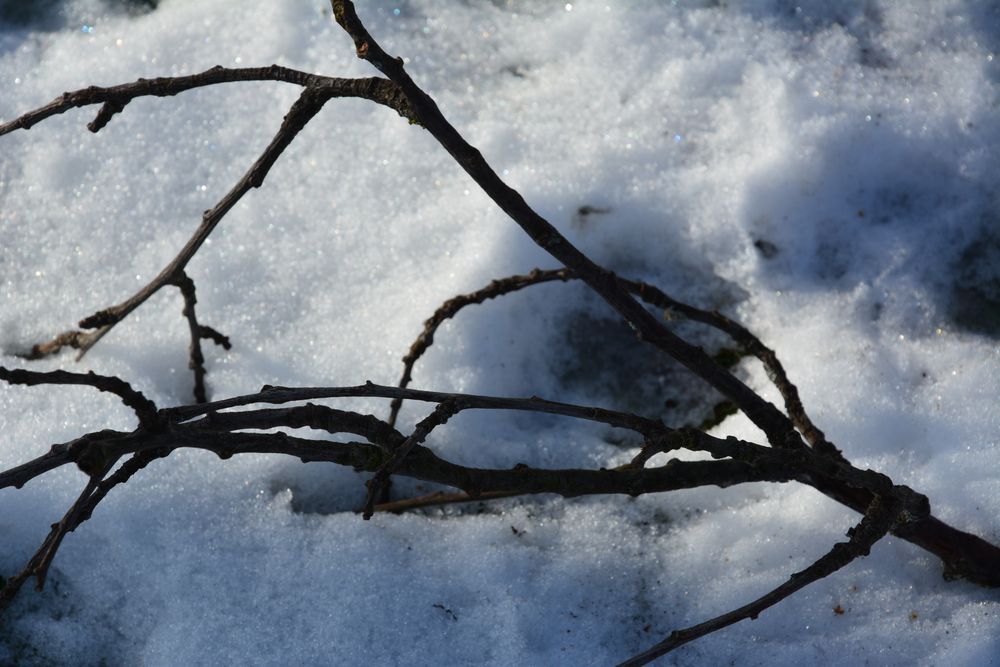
<point x="38" y="566"/>
<point x="318" y="90"/>
<point x="57" y="456"/>
<point x="320" y="417"/>
<point x="114" y="99"/>
<point x="196" y="360"/>
<point x="775" y="371"/>
<point x="779" y="430"/>
<point x="307" y="106"/>
<point x="216" y="427"/>
<point x="273" y="394"/>
<point x="144" y="408"/>
<point x="81" y="511"/>
<point x="437" y="498"/>
<point x="877" y="521"/>
<point x="451" y="307"/>
<point x="442" y="413"/>
<point x="650" y="295"/>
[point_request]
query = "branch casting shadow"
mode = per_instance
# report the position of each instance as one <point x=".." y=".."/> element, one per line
<point x="797" y="451"/>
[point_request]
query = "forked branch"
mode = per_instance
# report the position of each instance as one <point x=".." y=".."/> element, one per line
<point x="317" y="91"/>
<point x="219" y="428"/>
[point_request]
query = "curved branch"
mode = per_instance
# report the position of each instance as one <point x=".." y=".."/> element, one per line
<point x="775" y="371"/>
<point x="650" y="295"/>
<point x="450" y="308"/>
<point x="114" y="98"/>
<point x="779" y="429"/>
<point x="144" y="409"/>
<point x="302" y="111"/>
<point x="273" y="394"/>
<point x="318" y="90"/>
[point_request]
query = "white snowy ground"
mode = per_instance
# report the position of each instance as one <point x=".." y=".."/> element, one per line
<point x="858" y="139"/>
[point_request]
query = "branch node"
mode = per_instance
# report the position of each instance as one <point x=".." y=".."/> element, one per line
<point x="105" y="114"/>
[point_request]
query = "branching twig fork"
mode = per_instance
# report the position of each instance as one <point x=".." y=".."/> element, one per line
<point x="450" y="308"/>
<point x="215" y="427"/>
<point x="196" y="359"/>
<point x="317" y="91"/>
<point x="650" y="295"/>
<point x="779" y="430"/>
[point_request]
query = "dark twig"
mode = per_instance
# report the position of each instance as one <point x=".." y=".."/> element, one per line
<point x="39" y="564"/>
<point x="134" y="464"/>
<point x="442" y="413"/>
<point x="81" y="511"/>
<point x="753" y="345"/>
<point x="144" y="408"/>
<point x="451" y="307"/>
<point x="448" y="310"/>
<point x="273" y="394"/>
<point x="307" y="106"/>
<point x="438" y="498"/>
<point x="877" y="521"/>
<point x="319" y="417"/>
<point x="57" y="456"/>
<point x="778" y="428"/>
<point x="650" y="295"/>
<point x="196" y="360"/>
<point x="964" y="555"/>
<point x="115" y="98"/>
<point x="318" y="90"/>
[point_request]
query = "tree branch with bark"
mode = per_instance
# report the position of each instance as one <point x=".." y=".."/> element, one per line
<point x="796" y="451"/>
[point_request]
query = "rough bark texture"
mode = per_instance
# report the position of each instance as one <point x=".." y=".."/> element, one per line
<point x="797" y="450"/>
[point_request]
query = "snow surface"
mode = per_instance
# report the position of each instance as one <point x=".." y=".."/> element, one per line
<point x="858" y="140"/>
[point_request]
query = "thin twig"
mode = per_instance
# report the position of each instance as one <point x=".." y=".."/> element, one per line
<point x="196" y="360"/>
<point x="779" y="429"/>
<point x="317" y="91"/>
<point x="650" y="295"/>
<point x="320" y="417"/>
<point x="441" y="414"/>
<point x="451" y="307"/>
<point x="95" y="491"/>
<point x="73" y="339"/>
<point x="275" y="394"/>
<point x="877" y="521"/>
<point x="144" y="408"/>
<point x="438" y="498"/>
<point x="753" y="345"/>
<point x="308" y="105"/>
<point x="115" y="98"/>
<point x="39" y="564"/>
